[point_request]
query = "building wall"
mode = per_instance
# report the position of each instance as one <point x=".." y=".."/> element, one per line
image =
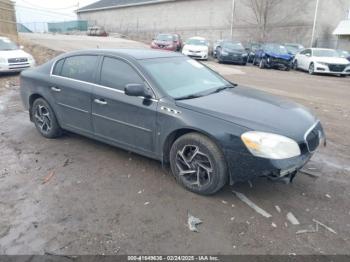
<point x="8" y="25"/>
<point x="288" y="20"/>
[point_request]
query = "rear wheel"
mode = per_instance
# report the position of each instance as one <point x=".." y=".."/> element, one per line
<point x="295" y="65"/>
<point x="44" y="119"/>
<point x="198" y="164"/>
<point x="312" y="69"/>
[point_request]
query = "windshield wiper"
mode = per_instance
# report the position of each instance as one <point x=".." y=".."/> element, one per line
<point x="188" y="97"/>
<point x="218" y="90"/>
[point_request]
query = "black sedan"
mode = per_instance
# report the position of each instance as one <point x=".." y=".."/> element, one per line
<point x="231" y="52"/>
<point x="169" y="107"/>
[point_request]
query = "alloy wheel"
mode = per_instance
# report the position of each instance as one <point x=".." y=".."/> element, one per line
<point x="311" y="69"/>
<point x="194" y="166"/>
<point x="43" y="119"/>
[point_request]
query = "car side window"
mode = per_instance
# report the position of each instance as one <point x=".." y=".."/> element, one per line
<point x="58" y="67"/>
<point x="81" y="67"/>
<point x="117" y="74"/>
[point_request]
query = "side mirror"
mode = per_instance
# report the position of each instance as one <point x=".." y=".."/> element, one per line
<point x="137" y="90"/>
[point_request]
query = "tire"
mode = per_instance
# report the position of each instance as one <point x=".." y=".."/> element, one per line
<point x="312" y="69"/>
<point x="262" y="63"/>
<point x="45" y="119"/>
<point x="295" y="65"/>
<point x="194" y="152"/>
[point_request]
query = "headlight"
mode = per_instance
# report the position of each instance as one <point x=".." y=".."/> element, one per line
<point x="244" y="55"/>
<point x="271" y="146"/>
<point x="224" y="53"/>
<point x="3" y="60"/>
<point x="322" y="63"/>
<point x="30" y="58"/>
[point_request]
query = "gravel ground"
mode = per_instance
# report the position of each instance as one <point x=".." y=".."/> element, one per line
<point x="74" y="195"/>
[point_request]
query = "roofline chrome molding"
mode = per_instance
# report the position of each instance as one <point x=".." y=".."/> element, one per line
<point x="154" y="99"/>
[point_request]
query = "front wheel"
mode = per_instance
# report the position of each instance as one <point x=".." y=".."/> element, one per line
<point x="44" y="119"/>
<point x="198" y="164"/>
<point x="295" y="65"/>
<point x="262" y="63"/>
<point x="312" y="69"/>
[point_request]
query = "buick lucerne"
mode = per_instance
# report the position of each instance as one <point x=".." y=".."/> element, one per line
<point x="169" y="107"/>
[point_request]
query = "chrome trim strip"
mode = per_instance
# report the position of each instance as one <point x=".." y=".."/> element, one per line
<point x="123" y="123"/>
<point x="113" y="56"/>
<point x="307" y="133"/>
<point x="74" y="108"/>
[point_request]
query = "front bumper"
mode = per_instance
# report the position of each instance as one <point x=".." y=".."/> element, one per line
<point x="16" y="67"/>
<point x="278" y="63"/>
<point x="166" y="48"/>
<point x="234" y="59"/>
<point x="196" y="55"/>
<point x="331" y="69"/>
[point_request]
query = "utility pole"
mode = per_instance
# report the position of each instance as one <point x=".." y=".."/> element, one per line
<point x="314" y="25"/>
<point x="232" y="17"/>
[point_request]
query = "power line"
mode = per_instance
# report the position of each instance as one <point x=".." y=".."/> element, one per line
<point x="49" y="8"/>
<point x="45" y="11"/>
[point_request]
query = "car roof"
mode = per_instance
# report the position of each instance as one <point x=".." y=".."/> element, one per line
<point x="321" y="49"/>
<point x="138" y="54"/>
<point x="198" y="38"/>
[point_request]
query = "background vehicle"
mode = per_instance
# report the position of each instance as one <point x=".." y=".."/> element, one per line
<point x="13" y="58"/>
<point x="251" y="49"/>
<point x="293" y="48"/>
<point x="323" y="61"/>
<point x="192" y="118"/>
<point x="216" y="44"/>
<point x="168" y="42"/>
<point x="273" y="56"/>
<point x="233" y="52"/>
<point x="344" y="54"/>
<point x="96" y="31"/>
<point x="196" y="47"/>
<point x="178" y="41"/>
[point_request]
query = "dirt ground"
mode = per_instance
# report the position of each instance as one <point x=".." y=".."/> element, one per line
<point x="75" y="196"/>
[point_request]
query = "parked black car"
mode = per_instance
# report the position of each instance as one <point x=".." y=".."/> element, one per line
<point x="251" y="49"/>
<point x="231" y="52"/>
<point x="211" y="131"/>
<point x="273" y="56"/>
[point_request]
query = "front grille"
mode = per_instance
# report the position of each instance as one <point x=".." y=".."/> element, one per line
<point x="17" y="60"/>
<point x="336" y="68"/>
<point x="313" y="136"/>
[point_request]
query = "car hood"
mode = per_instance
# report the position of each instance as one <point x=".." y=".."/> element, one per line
<point x="235" y="51"/>
<point x="275" y="55"/>
<point x="13" y="54"/>
<point x="196" y="47"/>
<point x="332" y="60"/>
<point x="255" y="110"/>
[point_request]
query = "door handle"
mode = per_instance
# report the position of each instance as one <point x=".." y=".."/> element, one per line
<point x="100" y="101"/>
<point x="55" y="89"/>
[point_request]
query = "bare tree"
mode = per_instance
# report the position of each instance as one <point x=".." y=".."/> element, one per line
<point x="263" y="12"/>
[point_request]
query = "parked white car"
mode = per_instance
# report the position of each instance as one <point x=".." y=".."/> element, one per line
<point x="320" y="60"/>
<point x="13" y="58"/>
<point x="196" y="47"/>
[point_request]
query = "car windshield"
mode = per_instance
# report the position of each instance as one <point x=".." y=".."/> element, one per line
<point x="325" y="53"/>
<point x="277" y="49"/>
<point x="292" y="49"/>
<point x="343" y="53"/>
<point x="164" y="38"/>
<point x="235" y="46"/>
<point x="180" y="77"/>
<point x="197" y="42"/>
<point x="6" y="44"/>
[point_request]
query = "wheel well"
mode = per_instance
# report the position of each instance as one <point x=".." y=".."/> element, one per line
<point x="32" y="98"/>
<point x="174" y="136"/>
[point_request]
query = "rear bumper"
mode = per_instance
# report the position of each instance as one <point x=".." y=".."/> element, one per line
<point x="8" y="68"/>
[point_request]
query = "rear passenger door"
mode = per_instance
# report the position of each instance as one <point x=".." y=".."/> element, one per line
<point x="127" y="121"/>
<point x="72" y="81"/>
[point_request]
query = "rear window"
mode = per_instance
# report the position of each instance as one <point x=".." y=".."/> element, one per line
<point x="80" y="67"/>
